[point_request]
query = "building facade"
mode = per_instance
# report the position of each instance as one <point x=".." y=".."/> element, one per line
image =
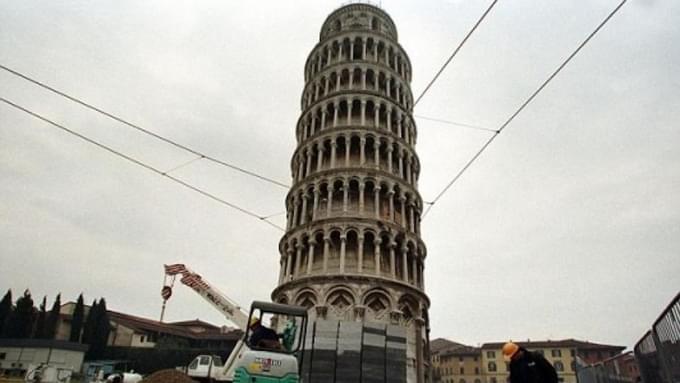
<point x="458" y="363"/>
<point x="352" y="249"/>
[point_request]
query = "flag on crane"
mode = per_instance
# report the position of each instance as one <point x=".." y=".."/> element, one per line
<point x="175" y="269"/>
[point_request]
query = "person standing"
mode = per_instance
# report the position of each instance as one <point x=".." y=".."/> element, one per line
<point x="527" y="366"/>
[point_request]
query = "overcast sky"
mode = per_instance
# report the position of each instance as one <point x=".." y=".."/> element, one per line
<point x="567" y="226"/>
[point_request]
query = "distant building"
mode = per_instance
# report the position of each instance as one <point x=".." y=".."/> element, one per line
<point x="456" y="363"/>
<point x="137" y="332"/>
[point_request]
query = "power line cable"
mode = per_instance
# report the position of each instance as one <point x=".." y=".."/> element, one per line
<point x="454" y="123"/>
<point x="142" y="164"/>
<point x="139" y="128"/>
<point x="524" y="104"/>
<point x="455" y="52"/>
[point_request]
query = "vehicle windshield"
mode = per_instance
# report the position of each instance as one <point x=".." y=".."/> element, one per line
<point x="274" y="331"/>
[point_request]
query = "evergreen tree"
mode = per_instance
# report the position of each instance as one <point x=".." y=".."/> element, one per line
<point x="40" y="322"/>
<point x="77" y="320"/>
<point x="21" y="320"/>
<point x="53" y="319"/>
<point x="101" y="330"/>
<point x="5" y="311"/>
<point x="88" y="328"/>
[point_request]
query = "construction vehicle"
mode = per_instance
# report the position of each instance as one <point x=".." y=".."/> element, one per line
<point x="277" y="361"/>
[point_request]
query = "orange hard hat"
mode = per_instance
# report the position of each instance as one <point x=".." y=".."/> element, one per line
<point x="509" y="350"/>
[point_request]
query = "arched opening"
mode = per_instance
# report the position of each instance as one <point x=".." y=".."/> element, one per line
<point x="369" y="251"/>
<point x="338" y="196"/>
<point x="355" y="151"/>
<point x="334" y="251"/>
<point x="385" y="255"/>
<point x="369" y="199"/>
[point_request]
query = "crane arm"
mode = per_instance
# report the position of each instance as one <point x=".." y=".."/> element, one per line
<point x="229" y="308"/>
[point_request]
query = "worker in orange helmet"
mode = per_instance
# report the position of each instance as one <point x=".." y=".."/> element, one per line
<point x="527" y="366"/>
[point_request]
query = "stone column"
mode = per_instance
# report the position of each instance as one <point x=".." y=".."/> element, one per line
<point x="345" y="196"/>
<point x="376" y="146"/>
<point x="336" y="107"/>
<point x="330" y="200"/>
<point x="363" y="79"/>
<point x="296" y="203"/>
<point x="390" y="195"/>
<point x="303" y="219"/>
<point x="348" y="144"/>
<point x="404" y="263"/>
<point x="415" y="270"/>
<point x="343" y="246"/>
<point x="364" y="42"/>
<point x="289" y="263"/>
<point x="309" y="161"/>
<point x="323" y="118"/>
<point x="390" y="149"/>
<point x="362" y="186"/>
<point x="319" y="158"/>
<point x="389" y="119"/>
<point x="363" y="112"/>
<point x="338" y="77"/>
<point x="334" y="147"/>
<point x="376" y="245"/>
<point x="376" y="115"/>
<point x="349" y="111"/>
<point x="377" y="202"/>
<point x="360" y="254"/>
<point x="402" y="202"/>
<point x="310" y="255"/>
<point x="326" y="252"/>
<point x="315" y="206"/>
<point x="298" y="259"/>
<point x="393" y="261"/>
<point x="362" y="149"/>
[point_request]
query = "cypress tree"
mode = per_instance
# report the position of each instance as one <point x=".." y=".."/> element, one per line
<point x="40" y="322"/>
<point x="101" y="330"/>
<point x="5" y="310"/>
<point x="77" y="320"/>
<point x="21" y="320"/>
<point x="88" y="328"/>
<point x="53" y="319"/>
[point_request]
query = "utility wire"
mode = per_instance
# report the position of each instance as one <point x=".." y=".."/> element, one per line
<point x="524" y="104"/>
<point x="139" y="128"/>
<point x="455" y="52"/>
<point x="454" y="123"/>
<point x="142" y="164"/>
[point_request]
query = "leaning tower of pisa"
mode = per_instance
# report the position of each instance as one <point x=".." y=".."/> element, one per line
<point x="352" y="249"/>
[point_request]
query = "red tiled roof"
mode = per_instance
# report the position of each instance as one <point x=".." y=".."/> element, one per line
<point x="144" y="324"/>
<point x="441" y="344"/>
<point x="461" y="351"/>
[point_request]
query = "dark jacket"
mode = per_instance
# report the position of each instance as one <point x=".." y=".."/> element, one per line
<point x="532" y="367"/>
<point x="263" y="337"/>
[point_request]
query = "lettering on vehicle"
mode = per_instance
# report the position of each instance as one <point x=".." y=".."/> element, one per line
<point x="266" y="364"/>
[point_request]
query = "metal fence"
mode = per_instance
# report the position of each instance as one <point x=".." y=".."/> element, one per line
<point x="601" y="373"/>
<point x="658" y="351"/>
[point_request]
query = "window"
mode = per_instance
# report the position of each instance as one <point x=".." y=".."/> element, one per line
<point x="492" y="380"/>
<point x="573" y="365"/>
<point x="478" y="381"/>
<point x="476" y="371"/>
<point x="559" y="367"/>
<point x="205" y="360"/>
<point x="3" y="355"/>
<point x="462" y="370"/>
<point x="475" y="358"/>
<point x="461" y="381"/>
<point x="492" y="366"/>
<point x="491" y="354"/>
<point x="141" y="339"/>
<point x="194" y="364"/>
<point x="460" y="358"/>
<point x="573" y="352"/>
<point x="556" y="353"/>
